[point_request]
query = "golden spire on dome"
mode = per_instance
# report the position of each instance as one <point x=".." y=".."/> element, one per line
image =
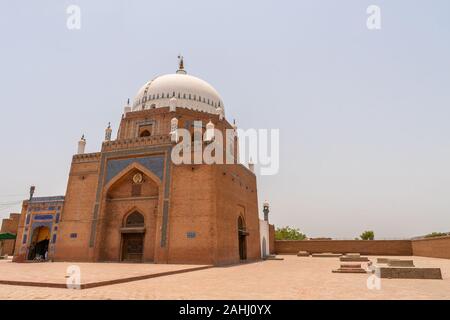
<point x="181" y="65"/>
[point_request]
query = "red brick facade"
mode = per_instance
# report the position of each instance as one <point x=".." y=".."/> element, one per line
<point x="190" y="212"/>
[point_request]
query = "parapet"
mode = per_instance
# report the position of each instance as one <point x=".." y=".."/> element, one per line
<point x="86" y="157"/>
<point x="134" y="143"/>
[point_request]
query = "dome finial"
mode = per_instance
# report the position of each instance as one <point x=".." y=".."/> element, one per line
<point x="181" y="65"/>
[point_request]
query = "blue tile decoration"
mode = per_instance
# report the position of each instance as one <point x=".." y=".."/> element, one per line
<point x="153" y="163"/>
<point x="43" y="217"/>
<point x="191" y="234"/>
<point x="38" y="224"/>
<point x="47" y="199"/>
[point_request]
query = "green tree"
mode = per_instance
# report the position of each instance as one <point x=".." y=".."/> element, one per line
<point x="367" y="235"/>
<point x="436" y="234"/>
<point x="288" y="233"/>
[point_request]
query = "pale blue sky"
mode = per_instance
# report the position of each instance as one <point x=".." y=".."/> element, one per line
<point x="363" y="115"/>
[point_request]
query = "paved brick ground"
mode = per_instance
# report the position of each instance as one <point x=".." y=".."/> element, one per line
<point x="293" y="278"/>
<point x="55" y="272"/>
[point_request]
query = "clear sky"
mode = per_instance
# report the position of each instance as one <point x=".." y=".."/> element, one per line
<point x="363" y="114"/>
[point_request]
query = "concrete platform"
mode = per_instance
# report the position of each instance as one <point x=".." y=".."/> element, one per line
<point x="303" y="254"/>
<point x="54" y="274"/>
<point x="410" y="273"/>
<point x="353" y="259"/>
<point x="352" y="254"/>
<point x="400" y="263"/>
<point x="383" y="260"/>
<point x="350" y="268"/>
<point x="326" y="255"/>
<point x="274" y="257"/>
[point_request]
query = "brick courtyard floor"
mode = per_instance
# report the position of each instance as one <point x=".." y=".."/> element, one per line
<point x="91" y="273"/>
<point x="292" y="278"/>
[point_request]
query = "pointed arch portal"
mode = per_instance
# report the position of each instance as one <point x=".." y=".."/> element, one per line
<point x="133" y="237"/>
<point x="242" y="235"/>
<point x="39" y="243"/>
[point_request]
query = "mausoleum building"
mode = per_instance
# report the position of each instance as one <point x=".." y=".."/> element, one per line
<point x="131" y="202"/>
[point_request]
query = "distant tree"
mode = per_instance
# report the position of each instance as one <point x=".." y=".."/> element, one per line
<point x="436" y="234"/>
<point x="367" y="235"/>
<point x="288" y="233"/>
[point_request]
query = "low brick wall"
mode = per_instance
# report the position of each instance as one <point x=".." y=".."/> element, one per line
<point x="367" y="247"/>
<point x="438" y="247"/>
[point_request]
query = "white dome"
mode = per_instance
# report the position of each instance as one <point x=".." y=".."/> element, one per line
<point x="190" y="92"/>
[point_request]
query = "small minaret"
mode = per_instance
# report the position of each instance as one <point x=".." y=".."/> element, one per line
<point x="173" y="104"/>
<point x="174" y="130"/>
<point x="209" y="132"/>
<point x="81" y="145"/>
<point x="32" y="189"/>
<point x="251" y="165"/>
<point x="221" y="113"/>
<point x="236" y="141"/>
<point x="127" y="108"/>
<point x="266" y="210"/>
<point x="108" y="132"/>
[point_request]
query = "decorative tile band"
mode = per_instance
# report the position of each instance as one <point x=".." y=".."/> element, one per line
<point x="154" y="163"/>
<point x="43" y="217"/>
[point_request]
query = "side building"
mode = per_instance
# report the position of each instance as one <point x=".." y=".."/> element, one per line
<point x="9" y="226"/>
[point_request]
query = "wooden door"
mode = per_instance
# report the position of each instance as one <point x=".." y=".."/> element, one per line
<point x="133" y="247"/>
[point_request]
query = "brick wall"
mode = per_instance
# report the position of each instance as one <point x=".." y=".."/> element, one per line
<point x="76" y="218"/>
<point x="432" y="247"/>
<point x="368" y="247"/>
<point x="272" y="239"/>
<point x="235" y="195"/>
<point x="10" y="225"/>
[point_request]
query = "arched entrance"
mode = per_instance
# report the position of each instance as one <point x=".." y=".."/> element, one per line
<point x="133" y="238"/>
<point x="39" y="243"/>
<point x="242" y="234"/>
